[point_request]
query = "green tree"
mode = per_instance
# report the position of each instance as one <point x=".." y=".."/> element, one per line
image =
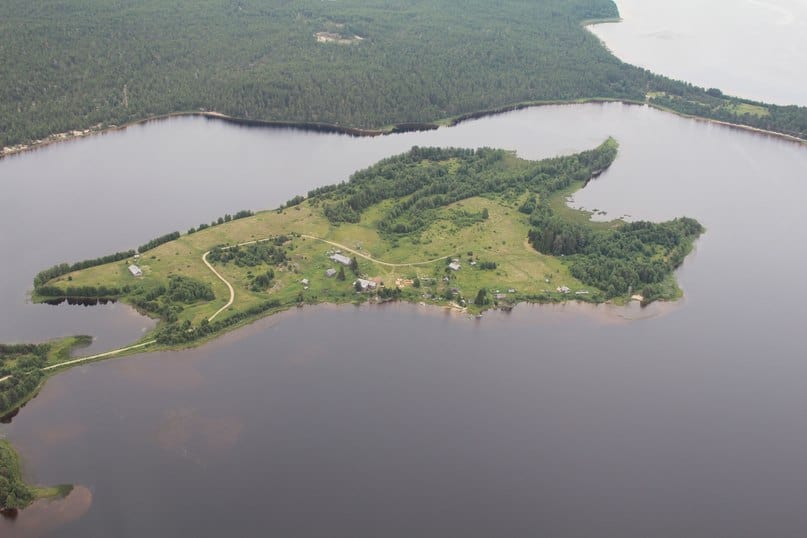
<point x="482" y="297"/>
<point x="341" y="274"/>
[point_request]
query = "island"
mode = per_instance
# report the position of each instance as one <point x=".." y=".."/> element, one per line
<point x="461" y="228"/>
<point x="465" y="229"/>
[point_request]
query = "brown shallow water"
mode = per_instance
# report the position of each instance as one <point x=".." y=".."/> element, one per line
<point x="571" y="420"/>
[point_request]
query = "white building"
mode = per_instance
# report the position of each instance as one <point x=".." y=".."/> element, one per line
<point x="340" y="258"/>
<point x="454" y="266"/>
<point x="330" y="272"/>
<point x="365" y="284"/>
<point x="135" y="270"/>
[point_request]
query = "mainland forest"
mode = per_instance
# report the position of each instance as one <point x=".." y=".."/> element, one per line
<point x="90" y="64"/>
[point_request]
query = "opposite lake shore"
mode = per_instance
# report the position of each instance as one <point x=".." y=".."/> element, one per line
<point x="366" y="132"/>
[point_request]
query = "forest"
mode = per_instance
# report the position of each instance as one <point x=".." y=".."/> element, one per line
<point x="90" y="64"/>
<point x="424" y="180"/>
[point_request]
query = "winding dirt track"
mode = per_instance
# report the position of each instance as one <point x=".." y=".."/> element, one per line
<point x="370" y="258"/>
<point x="232" y="297"/>
<point x="230" y="286"/>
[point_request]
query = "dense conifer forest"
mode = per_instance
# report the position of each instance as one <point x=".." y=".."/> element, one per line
<point x="354" y="63"/>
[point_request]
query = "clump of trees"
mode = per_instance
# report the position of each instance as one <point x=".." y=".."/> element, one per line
<point x="14" y="493"/>
<point x="482" y="297"/>
<point x="184" y="289"/>
<point x="251" y="255"/>
<point x="23" y="362"/>
<point x="263" y="281"/>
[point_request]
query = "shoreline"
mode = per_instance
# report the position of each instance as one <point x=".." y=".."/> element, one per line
<point x="329" y="128"/>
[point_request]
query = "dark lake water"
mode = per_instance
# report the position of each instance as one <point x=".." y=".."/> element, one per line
<point x="684" y="419"/>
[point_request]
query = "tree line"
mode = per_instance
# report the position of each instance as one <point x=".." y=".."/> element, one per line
<point x="157" y="241"/>
<point x="244" y="213"/>
<point x="251" y="255"/>
<point x="64" y="268"/>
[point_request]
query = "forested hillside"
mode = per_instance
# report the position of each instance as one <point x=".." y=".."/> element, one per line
<point x="76" y="64"/>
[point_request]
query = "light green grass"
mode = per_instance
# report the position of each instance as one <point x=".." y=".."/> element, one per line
<point x="740" y="109"/>
<point x="501" y="239"/>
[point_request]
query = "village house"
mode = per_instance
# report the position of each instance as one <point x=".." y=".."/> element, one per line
<point x="330" y="272"/>
<point x="340" y="258"/>
<point x="365" y="284"/>
<point x="454" y="266"/>
<point x="135" y="270"/>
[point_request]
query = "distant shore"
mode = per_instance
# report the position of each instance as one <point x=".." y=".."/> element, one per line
<point x="366" y="132"/>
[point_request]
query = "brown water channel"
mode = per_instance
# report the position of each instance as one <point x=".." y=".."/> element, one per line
<point x="685" y="419"/>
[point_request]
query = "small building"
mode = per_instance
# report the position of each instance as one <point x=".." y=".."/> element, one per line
<point x="365" y="284"/>
<point x="563" y="289"/>
<point x="454" y="266"/>
<point x="304" y="282"/>
<point x="135" y="270"/>
<point x="340" y="258"/>
<point x="330" y="272"/>
<point x="500" y="296"/>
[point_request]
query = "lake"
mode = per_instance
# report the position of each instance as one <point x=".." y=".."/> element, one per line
<point x="748" y="48"/>
<point x="561" y="420"/>
<point x="399" y="420"/>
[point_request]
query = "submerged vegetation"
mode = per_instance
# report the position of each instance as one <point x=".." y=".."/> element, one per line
<point x="470" y="229"/>
<point x="89" y="64"/>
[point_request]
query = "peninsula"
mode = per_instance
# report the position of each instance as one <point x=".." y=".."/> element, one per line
<point x="14" y="492"/>
<point x="468" y="229"/>
<point x="457" y="228"/>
